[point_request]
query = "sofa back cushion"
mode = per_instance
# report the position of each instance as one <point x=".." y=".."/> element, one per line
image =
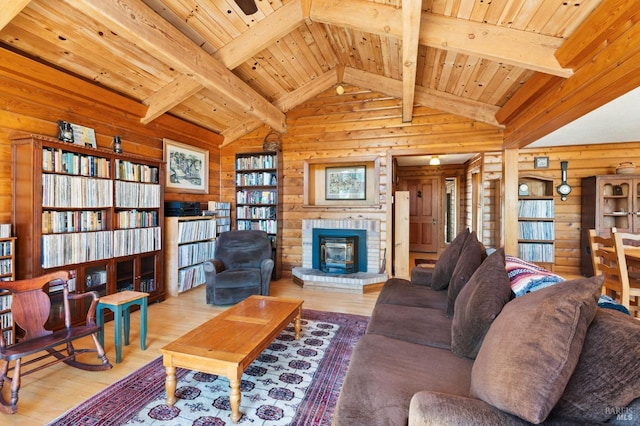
<point x="471" y="257"/>
<point x="478" y="304"/>
<point x="607" y="377"/>
<point x="532" y="348"/>
<point x="446" y="263"/>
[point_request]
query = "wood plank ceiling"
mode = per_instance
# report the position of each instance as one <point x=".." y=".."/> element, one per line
<point x="210" y="64"/>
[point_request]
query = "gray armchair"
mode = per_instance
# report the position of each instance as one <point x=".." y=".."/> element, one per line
<point x="242" y="266"/>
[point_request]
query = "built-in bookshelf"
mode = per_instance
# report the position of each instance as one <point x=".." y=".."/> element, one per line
<point x="223" y="215"/>
<point x="92" y="212"/>
<point x="190" y="240"/>
<point x="7" y="273"/>
<point x="259" y="198"/>
<point x="536" y="221"/>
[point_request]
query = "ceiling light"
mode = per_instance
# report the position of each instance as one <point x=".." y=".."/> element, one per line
<point x="339" y="90"/>
<point x="435" y="161"/>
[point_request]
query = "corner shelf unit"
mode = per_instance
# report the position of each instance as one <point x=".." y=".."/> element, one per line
<point x="190" y="240"/>
<point x="259" y="198"/>
<point x="536" y="221"/>
<point x="92" y="212"/>
<point x="7" y="273"/>
<point x="223" y="215"/>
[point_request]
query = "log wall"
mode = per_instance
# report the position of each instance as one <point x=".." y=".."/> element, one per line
<point x="33" y="97"/>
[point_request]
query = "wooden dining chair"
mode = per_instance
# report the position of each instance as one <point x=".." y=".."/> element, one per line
<point x="30" y="307"/>
<point x="626" y="242"/>
<point x="611" y="263"/>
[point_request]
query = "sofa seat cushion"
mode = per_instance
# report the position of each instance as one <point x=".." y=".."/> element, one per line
<point x="424" y="326"/>
<point x="607" y="377"/>
<point x="385" y="373"/>
<point x="398" y="291"/>
<point x="446" y="263"/>
<point x="478" y="304"/>
<point x="533" y="346"/>
<point x="422" y="275"/>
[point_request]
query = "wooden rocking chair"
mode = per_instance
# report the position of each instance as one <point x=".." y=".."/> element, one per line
<point x="30" y="308"/>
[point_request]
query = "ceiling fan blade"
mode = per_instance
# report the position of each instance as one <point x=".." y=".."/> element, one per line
<point x="248" y="6"/>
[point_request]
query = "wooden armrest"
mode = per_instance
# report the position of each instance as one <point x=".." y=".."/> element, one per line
<point x="91" y="313"/>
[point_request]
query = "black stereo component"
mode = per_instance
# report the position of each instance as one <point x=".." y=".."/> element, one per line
<point x="182" y="208"/>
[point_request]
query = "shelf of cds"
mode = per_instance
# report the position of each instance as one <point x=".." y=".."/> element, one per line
<point x="91" y="211"/>
<point x="259" y="198"/>
<point x="223" y="215"/>
<point x="7" y="262"/>
<point x="190" y="241"/>
<point x="536" y="221"/>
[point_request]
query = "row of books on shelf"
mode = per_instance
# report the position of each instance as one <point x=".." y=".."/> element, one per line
<point x="6" y="266"/>
<point x="190" y="254"/>
<point x="5" y="301"/>
<point x="196" y="230"/>
<point x="59" y="161"/>
<point x="80" y="247"/>
<point x="148" y="285"/>
<point x="536" y="252"/>
<point x="536" y="208"/>
<point x="64" y="249"/>
<point x="126" y="170"/>
<point x="257" y="179"/>
<point x="8" y="336"/>
<point x="269" y="226"/>
<point x="138" y="240"/>
<point x="254" y="162"/>
<point x="223" y="224"/>
<point x="76" y="191"/>
<point x="536" y="230"/>
<point x="190" y="277"/>
<point x="54" y="222"/>
<point x="256" y="197"/>
<point x="140" y="195"/>
<point x="57" y="285"/>
<point x="5" y="248"/>
<point x="248" y="212"/>
<point x="136" y="219"/>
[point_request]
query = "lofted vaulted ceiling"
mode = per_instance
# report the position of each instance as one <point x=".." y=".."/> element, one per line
<point x="209" y="63"/>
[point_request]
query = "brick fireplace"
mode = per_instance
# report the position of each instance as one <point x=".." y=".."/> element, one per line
<point x="370" y="261"/>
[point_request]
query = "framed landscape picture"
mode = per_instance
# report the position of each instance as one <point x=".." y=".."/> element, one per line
<point x="187" y="167"/>
<point x="346" y="183"/>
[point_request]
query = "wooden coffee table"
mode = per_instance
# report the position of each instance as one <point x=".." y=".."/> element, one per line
<point x="226" y="344"/>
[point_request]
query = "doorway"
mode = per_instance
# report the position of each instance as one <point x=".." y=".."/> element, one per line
<point x="424" y="211"/>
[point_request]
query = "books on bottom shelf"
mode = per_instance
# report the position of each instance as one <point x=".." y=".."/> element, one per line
<point x="138" y="240"/>
<point x="190" y="277"/>
<point x="536" y="252"/>
<point x="64" y="249"/>
<point x="190" y="254"/>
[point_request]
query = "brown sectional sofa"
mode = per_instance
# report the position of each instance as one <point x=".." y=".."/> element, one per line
<point x="547" y="357"/>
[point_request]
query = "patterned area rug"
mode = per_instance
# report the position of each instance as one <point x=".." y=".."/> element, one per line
<point x="293" y="382"/>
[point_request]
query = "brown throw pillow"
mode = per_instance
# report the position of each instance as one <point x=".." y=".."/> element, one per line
<point x="532" y="348"/>
<point x="446" y="263"/>
<point x="478" y="304"/>
<point x="471" y="257"/>
<point x="607" y="377"/>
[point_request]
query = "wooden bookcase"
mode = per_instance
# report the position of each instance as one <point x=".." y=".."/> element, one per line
<point x="190" y="240"/>
<point x="536" y="216"/>
<point x="259" y="198"/>
<point x="608" y="201"/>
<point x="90" y="211"/>
<point x="7" y="273"/>
<point x="223" y="215"/>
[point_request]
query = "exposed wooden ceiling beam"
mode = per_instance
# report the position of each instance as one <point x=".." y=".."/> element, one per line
<point x="258" y="37"/>
<point x="442" y="101"/>
<point x="9" y="9"/>
<point x="287" y="103"/>
<point x="135" y="20"/>
<point x="520" y="48"/>
<point x="607" y="75"/>
<point x="411" y="10"/>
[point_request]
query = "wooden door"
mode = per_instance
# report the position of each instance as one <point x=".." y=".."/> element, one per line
<point x="424" y="214"/>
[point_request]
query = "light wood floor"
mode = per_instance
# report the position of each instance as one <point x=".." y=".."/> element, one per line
<point x="47" y="394"/>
